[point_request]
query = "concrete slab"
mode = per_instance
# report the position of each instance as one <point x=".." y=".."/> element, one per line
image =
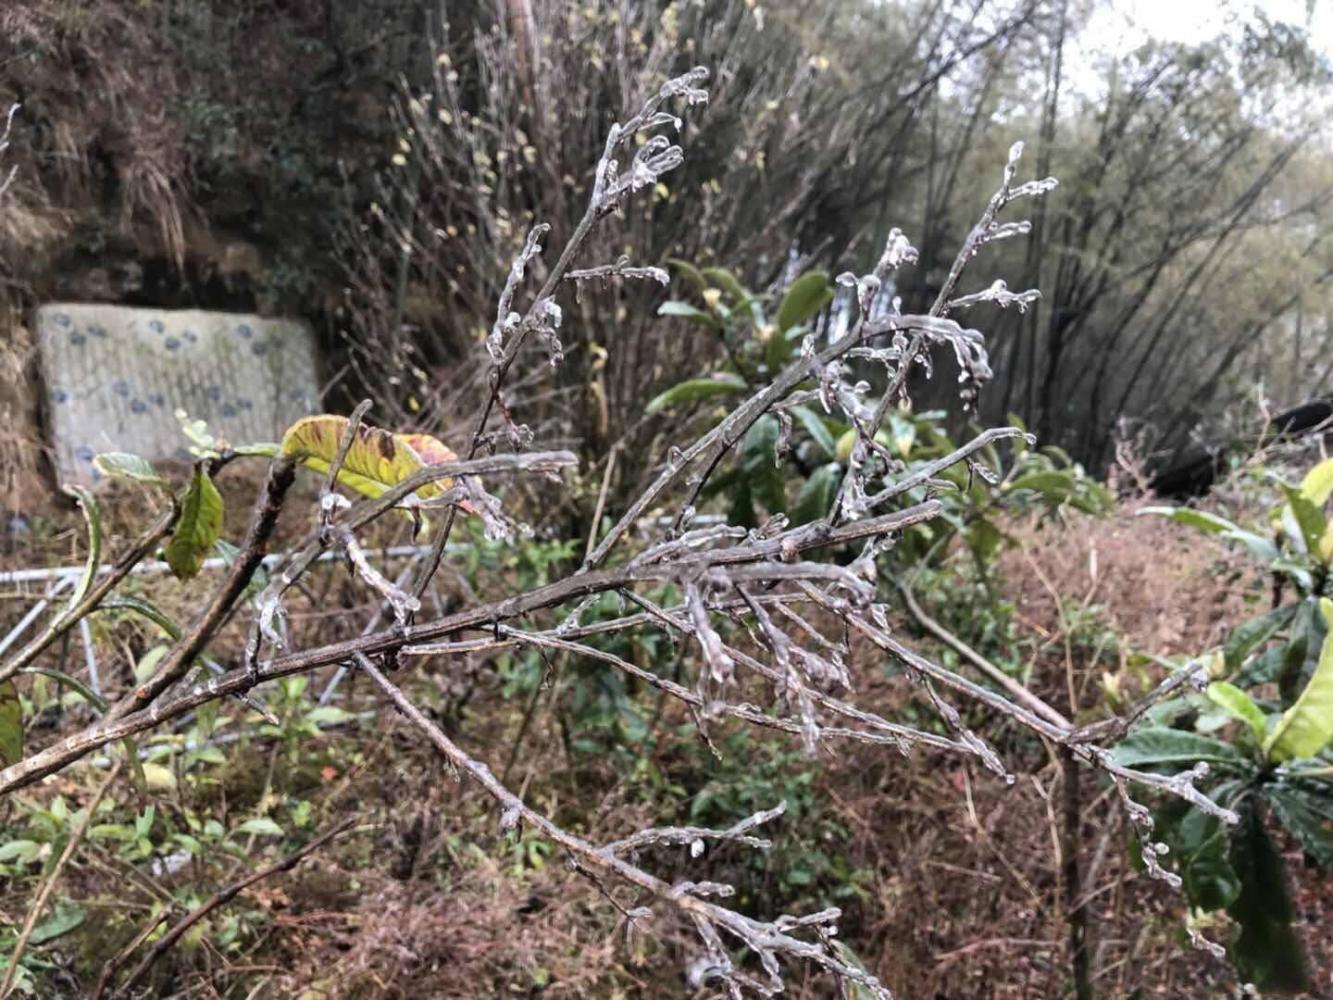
<point x="114" y="376"/>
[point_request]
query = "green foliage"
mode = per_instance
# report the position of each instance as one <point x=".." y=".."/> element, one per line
<point x="804" y="866"/>
<point x="695" y="390"/>
<point x="125" y="465"/>
<point x="1238" y="705"/>
<point x="198" y="528"/>
<point x="1275" y="678"/>
<point x="816" y="496"/>
<point x="92" y="516"/>
<point x="755" y="346"/>
<point x="1268" y="951"/>
<point x="1163" y="748"/>
<point x="11" y="724"/>
<point x="802" y="482"/>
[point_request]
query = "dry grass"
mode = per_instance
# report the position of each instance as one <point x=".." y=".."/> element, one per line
<point x="22" y="485"/>
<point x="1164" y="588"/>
<point x="959" y="874"/>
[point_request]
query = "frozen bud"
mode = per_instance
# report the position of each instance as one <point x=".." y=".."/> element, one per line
<point x="696" y="847"/>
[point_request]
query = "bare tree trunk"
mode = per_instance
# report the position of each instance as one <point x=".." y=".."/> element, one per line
<point x="1076" y="914"/>
<point x="1038" y="409"/>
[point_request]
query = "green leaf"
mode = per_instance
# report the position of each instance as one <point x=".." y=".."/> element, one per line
<point x="73" y="683"/>
<point x="1194" y="518"/>
<point x="1307" y="726"/>
<point x="11" y="724"/>
<point x="777" y="348"/>
<point x="1239" y="705"/>
<point x="66" y="918"/>
<point x="725" y="280"/>
<point x="689" y="272"/>
<point x="1261" y="547"/>
<point x="1284" y="663"/>
<point x="1246" y="638"/>
<point x="1301" y="654"/>
<point x="684" y="310"/>
<point x="1318" y="483"/>
<point x="1052" y="483"/>
<point x="805" y="296"/>
<point x="817" y="495"/>
<point x="328" y="715"/>
<point x="1210" y="881"/>
<point x="127" y="466"/>
<point x="92" y="517"/>
<point x="740" y="511"/>
<point x="199" y="526"/>
<point x="158" y="777"/>
<point x="260" y="825"/>
<point x="903" y="432"/>
<point x="1301" y="813"/>
<point x="1156" y="745"/>
<point x="141" y="607"/>
<point x="147" y="664"/>
<point x="816" y="427"/>
<point x="261" y="449"/>
<point x="695" y="389"/>
<point x="984" y="539"/>
<point x="1268" y="951"/>
<point x="760" y="464"/>
<point x="25" y="851"/>
<point x="1303" y="521"/>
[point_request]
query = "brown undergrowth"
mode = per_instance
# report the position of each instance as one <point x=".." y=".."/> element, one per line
<point x="948" y="877"/>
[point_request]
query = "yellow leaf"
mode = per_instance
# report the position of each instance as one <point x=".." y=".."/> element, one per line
<point x="1318" y="483"/>
<point x="158" y="777"/>
<point x="376" y="460"/>
<point x="432" y="451"/>
<point x="1307" y="726"/>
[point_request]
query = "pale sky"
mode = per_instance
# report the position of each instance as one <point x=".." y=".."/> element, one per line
<point x="1121" y="26"/>
<point x="1132" y="21"/>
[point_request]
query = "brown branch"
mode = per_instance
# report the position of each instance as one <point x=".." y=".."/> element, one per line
<point x="120" y="569"/>
<point x="118" y="959"/>
<point x="1019" y="692"/>
<point x="182" y="655"/>
<point x="810" y="536"/>
<point x="44" y="894"/>
<point x="769" y="939"/>
<point x="221" y="898"/>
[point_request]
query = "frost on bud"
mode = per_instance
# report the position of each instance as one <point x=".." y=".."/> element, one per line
<point x="1011" y="167"/>
<point x="1033" y="189"/>
<point x="998" y="294"/>
<point x="687" y="86"/>
<point x="1006" y="230"/>
<point x="898" y="250"/>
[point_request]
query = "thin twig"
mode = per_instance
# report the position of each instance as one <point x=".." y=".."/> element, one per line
<point x="49" y="884"/>
<point x="766" y="938"/>
<point x="988" y="668"/>
<point x="601" y="502"/>
<point x="224" y="896"/>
